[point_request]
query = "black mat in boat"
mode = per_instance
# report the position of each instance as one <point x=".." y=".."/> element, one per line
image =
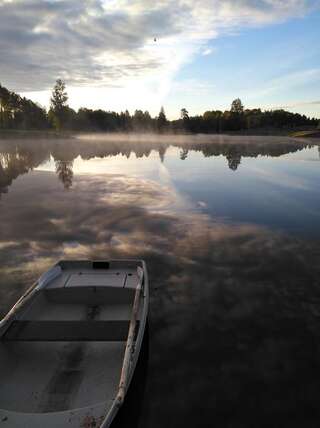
<point x="68" y="331"/>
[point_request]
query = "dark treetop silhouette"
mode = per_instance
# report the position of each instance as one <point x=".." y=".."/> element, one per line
<point x="22" y="114"/>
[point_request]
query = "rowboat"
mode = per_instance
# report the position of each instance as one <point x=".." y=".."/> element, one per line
<point x="70" y="345"/>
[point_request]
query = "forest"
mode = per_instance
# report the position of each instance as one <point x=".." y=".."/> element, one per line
<point x="20" y="113"/>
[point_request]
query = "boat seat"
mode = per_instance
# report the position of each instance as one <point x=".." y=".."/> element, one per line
<point x="67" y="331"/>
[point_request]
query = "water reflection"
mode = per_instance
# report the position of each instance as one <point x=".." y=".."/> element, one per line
<point x="65" y="172"/>
<point x="234" y="158"/>
<point x="235" y="307"/>
<point x="19" y="156"/>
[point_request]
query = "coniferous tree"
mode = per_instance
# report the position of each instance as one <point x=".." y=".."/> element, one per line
<point x="185" y="118"/>
<point x="162" y="120"/>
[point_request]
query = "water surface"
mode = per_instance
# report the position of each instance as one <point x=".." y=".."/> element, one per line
<point x="230" y="230"/>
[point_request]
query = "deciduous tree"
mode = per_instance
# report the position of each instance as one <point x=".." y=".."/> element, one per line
<point x="58" y="105"/>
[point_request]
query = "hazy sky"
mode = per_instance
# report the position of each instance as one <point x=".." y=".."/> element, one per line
<point x="206" y="53"/>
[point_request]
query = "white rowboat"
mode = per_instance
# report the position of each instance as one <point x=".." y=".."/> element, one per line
<point x="70" y="345"/>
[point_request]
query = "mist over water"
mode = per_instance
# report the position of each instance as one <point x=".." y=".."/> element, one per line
<point x="229" y="228"/>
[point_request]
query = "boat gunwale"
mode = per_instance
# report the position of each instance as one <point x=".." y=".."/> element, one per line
<point x="132" y="349"/>
<point x="137" y="347"/>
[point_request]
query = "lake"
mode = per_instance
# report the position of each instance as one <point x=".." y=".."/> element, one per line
<point x="230" y="230"/>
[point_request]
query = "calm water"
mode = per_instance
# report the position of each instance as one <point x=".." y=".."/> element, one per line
<point x="230" y="230"/>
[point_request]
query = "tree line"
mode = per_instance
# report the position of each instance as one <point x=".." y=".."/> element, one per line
<point x="19" y="113"/>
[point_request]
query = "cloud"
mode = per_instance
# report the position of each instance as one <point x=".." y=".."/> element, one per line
<point x="289" y="81"/>
<point x="69" y="39"/>
<point x="207" y="51"/>
<point x="301" y="104"/>
<point x="111" y="43"/>
<point x="234" y="309"/>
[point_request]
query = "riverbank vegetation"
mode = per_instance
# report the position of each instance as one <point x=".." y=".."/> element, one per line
<point x="19" y="114"/>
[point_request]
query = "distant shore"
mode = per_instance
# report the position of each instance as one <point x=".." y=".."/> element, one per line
<point x="50" y="134"/>
<point x="17" y="133"/>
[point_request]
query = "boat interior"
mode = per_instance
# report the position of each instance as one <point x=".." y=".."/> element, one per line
<point x="67" y="345"/>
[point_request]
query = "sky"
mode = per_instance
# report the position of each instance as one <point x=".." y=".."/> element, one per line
<point x="144" y="54"/>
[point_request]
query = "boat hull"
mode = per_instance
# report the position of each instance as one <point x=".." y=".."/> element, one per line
<point x="65" y="354"/>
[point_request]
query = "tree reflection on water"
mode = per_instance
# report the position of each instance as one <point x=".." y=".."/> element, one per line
<point x="235" y="307"/>
<point x="19" y="156"/>
<point x="65" y="172"/>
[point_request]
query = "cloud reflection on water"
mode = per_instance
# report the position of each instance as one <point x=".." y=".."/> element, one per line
<point x="235" y="308"/>
<point x="19" y="156"/>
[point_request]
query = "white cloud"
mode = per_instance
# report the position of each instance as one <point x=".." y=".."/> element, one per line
<point x="287" y="81"/>
<point x="207" y="51"/>
<point x="110" y="44"/>
<point x="300" y="104"/>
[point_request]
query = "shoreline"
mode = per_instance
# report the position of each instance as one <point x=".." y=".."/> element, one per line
<point x="51" y="134"/>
